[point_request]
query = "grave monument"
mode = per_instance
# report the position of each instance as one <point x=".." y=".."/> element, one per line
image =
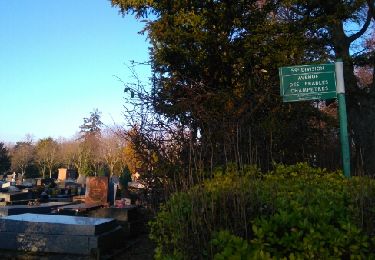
<point x="58" y="234"/>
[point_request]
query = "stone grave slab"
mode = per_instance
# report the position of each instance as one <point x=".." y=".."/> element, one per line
<point x="13" y="196"/>
<point x="58" y="233"/>
<point x="45" y="208"/>
<point x="81" y="208"/>
<point x="125" y="214"/>
<point x="31" y="181"/>
<point x="127" y="217"/>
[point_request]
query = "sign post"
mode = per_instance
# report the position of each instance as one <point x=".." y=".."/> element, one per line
<point x="342" y="117"/>
<point x="318" y="82"/>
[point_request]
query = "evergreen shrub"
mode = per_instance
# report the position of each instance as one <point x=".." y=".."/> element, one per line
<point x="293" y="212"/>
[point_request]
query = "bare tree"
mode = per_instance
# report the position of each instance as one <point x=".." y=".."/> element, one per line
<point x="22" y="155"/>
<point x="111" y="149"/>
<point x="68" y="153"/>
<point x="47" y="155"/>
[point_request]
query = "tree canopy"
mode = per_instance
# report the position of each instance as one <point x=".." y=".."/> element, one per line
<point x="215" y="72"/>
<point x="91" y="125"/>
<point x="22" y="156"/>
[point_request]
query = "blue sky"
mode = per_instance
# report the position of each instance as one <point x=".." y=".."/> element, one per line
<point x="57" y="63"/>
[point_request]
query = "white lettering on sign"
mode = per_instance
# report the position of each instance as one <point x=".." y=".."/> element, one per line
<point x="293" y="84"/>
<point x="307" y="69"/>
<point x="308" y="90"/>
<point x="308" y="76"/>
<point x="316" y="83"/>
<point x="307" y="82"/>
<point x="312" y="69"/>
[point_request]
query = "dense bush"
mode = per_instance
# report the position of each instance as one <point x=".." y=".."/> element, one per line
<point x="296" y="212"/>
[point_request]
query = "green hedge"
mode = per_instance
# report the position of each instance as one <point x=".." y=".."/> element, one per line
<point x="294" y="212"/>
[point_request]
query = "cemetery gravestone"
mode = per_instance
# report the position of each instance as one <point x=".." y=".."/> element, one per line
<point x="96" y="190"/>
<point x="6" y="185"/>
<point x="38" y="182"/>
<point x="9" y="177"/>
<point x="113" y="184"/>
<point x="63" y="174"/>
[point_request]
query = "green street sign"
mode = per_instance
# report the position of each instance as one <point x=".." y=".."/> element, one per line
<point x="307" y="82"/>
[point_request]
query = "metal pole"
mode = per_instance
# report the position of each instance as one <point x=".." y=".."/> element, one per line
<point x="340" y="88"/>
